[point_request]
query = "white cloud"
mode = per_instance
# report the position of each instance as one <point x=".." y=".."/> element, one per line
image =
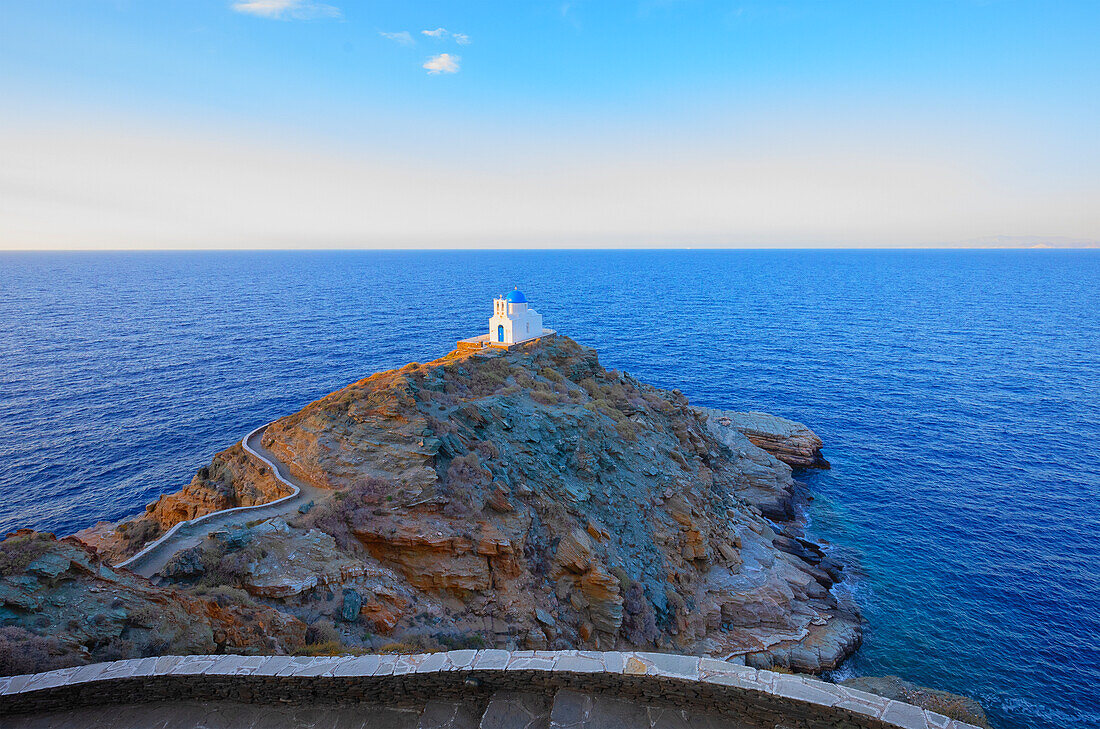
<point x="443" y="63"/>
<point x="287" y="9"/>
<point x="442" y="33"/>
<point x="402" y="36"/>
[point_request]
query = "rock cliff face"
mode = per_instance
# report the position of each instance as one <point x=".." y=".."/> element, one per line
<point x="531" y="498"/>
<point x="61" y="605"/>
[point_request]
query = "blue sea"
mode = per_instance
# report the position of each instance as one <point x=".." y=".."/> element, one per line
<point x="957" y="392"/>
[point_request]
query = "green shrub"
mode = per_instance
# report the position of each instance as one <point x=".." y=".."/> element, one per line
<point x="461" y="641"/>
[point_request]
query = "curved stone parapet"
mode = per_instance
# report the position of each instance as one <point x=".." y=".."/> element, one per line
<point x="746" y="697"/>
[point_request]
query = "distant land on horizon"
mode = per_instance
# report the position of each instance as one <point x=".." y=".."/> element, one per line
<point x="1028" y="241"/>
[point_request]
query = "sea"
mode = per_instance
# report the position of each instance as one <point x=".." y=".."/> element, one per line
<point x="957" y="393"/>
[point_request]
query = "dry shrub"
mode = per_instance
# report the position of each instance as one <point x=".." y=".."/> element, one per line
<point x="467" y="471"/>
<point x="368" y="491"/>
<point x="659" y="403"/>
<point x="22" y="548"/>
<point x="627" y="429"/>
<point x="551" y="374"/>
<point x="639" y="625"/>
<point x="323" y="631"/>
<point x="399" y="648"/>
<point x="485" y="383"/>
<point x="591" y="387"/>
<point x="226" y="595"/>
<point x="138" y="532"/>
<point x="524" y="380"/>
<point x="351" y="508"/>
<point x="464" y="484"/>
<point x="24" y="652"/>
<point x="486" y="449"/>
<point x="440" y="427"/>
<point x="331" y="648"/>
<point x="545" y="398"/>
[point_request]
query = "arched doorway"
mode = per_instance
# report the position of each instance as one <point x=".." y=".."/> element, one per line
<point x="500" y="332"/>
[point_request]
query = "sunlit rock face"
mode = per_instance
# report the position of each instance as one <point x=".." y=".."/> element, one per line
<point x="62" y="605"/>
<point x="531" y="498"/>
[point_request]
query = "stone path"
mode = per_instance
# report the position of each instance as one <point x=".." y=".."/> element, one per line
<point x="188" y="534"/>
<point x="504" y="710"/>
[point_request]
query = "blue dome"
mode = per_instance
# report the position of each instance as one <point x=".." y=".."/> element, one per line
<point x="515" y="296"/>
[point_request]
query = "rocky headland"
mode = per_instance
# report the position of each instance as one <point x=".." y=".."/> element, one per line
<point x="526" y="498"/>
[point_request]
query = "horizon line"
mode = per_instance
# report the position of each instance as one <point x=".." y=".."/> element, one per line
<point x="1088" y="247"/>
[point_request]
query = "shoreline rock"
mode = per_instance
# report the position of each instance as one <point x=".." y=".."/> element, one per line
<point x="232" y="479"/>
<point x="948" y="704"/>
<point x="788" y="440"/>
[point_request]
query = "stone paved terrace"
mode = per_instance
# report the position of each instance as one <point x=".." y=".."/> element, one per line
<point x="490" y="689"/>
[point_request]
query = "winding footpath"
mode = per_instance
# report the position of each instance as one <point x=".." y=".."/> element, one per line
<point x="152" y="558"/>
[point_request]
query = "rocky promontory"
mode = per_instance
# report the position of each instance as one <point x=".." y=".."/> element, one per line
<point x="521" y="498"/>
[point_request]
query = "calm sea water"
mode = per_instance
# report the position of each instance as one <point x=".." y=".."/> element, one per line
<point x="958" y="394"/>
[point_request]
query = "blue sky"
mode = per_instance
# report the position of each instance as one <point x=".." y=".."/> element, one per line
<point x="275" y="123"/>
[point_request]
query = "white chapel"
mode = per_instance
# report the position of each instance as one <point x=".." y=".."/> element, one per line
<point x="513" y="320"/>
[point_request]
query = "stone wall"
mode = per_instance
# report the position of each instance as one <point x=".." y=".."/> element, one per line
<point x="758" y="697"/>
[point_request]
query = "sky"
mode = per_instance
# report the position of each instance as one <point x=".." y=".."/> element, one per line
<point x="128" y="124"/>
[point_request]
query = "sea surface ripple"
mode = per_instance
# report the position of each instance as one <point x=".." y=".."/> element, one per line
<point x="957" y="392"/>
